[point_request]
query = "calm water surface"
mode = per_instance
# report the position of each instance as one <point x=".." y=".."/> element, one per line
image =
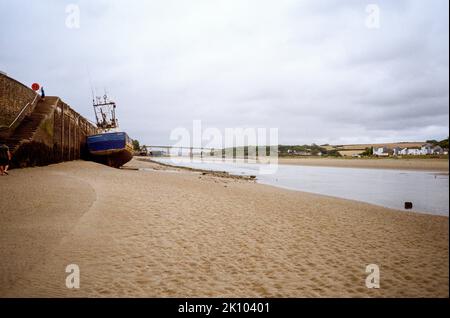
<point x="429" y="191"/>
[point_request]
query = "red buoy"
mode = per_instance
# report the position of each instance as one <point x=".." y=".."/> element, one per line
<point x="35" y="86"/>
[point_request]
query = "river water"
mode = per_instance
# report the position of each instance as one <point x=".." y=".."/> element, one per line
<point x="428" y="191"/>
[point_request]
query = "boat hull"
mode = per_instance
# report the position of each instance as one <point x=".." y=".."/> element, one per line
<point x="112" y="149"/>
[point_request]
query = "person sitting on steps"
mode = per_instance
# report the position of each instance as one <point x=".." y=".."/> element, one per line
<point x="5" y="157"/>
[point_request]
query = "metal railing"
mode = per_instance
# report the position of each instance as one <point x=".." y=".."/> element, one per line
<point x="3" y="127"/>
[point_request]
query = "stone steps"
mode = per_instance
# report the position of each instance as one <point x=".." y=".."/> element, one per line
<point x="29" y="125"/>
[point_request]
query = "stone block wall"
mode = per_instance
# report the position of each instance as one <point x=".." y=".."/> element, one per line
<point x="61" y="136"/>
<point x="13" y="97"/>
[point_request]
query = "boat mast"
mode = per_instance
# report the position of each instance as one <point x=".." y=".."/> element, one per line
<point x="105" y="113"/>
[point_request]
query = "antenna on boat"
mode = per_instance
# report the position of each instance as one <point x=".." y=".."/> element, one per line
<point x="90" y="84"/>
<point x="94" y="97"/>
<point x="105" y="112"/>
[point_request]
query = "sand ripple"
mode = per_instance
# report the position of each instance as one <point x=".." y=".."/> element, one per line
<point x="158" y="234"/>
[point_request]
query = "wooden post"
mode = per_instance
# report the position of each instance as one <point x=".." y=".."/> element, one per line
<point x="78" y="137"/>
<point x="62" y="132"/>
<point x="70" y="121"/>
<point x="54" y="126"/>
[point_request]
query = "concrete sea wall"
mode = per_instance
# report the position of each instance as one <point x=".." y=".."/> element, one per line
<point x="57" y="134"/>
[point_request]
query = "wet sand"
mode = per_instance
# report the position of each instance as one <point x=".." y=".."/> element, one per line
<point x="372" y="163"/>
<point x="175" y="233"/>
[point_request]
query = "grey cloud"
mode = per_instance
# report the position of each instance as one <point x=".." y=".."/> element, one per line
<point x="310" y="68"/>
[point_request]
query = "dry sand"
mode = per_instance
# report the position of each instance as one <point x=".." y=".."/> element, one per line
<point x="372" y="163"/>
<point x="161" y="233"/>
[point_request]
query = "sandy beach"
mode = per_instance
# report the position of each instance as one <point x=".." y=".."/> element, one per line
<point x="372" y="163"/>
<point x="164" y="232"/>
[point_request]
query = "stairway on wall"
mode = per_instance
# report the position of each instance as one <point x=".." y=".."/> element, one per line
<point x="29" y="125"/>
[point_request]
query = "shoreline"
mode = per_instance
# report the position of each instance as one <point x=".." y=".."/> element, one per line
<point x="149" y="233"/>
<point x="434" y="165"/>
<point x="225" y="174"/>
<point x="222" y="174"/>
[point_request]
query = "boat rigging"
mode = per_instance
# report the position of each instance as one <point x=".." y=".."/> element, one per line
<point x="105" y="113"/>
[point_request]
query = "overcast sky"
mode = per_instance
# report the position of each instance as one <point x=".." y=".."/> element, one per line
<point x="312" y="69"/>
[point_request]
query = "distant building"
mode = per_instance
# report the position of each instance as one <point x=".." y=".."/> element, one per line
<point x="396" y="151"/>
<point x="299" y="152"/>
<point x="414" y="151"/>
<point x="438" y="150"/>
<point x="381" y="152"/>
<point x="426" y="149"/>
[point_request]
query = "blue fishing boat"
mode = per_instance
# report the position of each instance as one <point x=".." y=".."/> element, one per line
<point x="111" y="147"/>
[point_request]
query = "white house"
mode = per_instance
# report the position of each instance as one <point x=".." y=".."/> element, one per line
<point x="414" y="151"/>
<point x="396" y="151"/>
<point x="381" y="152"/>
<point x="426" y="149"/>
